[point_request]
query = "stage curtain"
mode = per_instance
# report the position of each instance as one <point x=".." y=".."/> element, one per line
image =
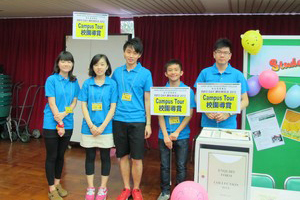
<point x="191" y="39"/>
<point x="28" y="48"/>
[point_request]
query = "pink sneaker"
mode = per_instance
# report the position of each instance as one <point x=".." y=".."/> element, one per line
<point x="125" y="194"/>
<point x="102" y="193"/>
<point x="137" y="194"/>
<point x="90" y="193"/>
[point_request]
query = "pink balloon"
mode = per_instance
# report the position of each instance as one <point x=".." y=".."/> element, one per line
<point x="268" y="79"/>
<point x="189" y="190"/>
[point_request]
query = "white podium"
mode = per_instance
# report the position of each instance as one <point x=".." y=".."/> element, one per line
<point x="223" y="163"/>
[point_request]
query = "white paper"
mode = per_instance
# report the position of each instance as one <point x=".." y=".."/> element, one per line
<point x="265" y="129"/>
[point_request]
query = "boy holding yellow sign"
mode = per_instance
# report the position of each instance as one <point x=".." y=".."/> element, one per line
<point x="174" y="133"/>
<point x="222" y="72"/>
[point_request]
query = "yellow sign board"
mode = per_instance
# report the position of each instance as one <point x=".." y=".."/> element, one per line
<point x="170" y="105"/>
<point x="90" y="30"/>
<point x="92" y="26"/>
<point x="218" y="97"/>
<point x="170" y="101"/>
<point x="218" y="102"/>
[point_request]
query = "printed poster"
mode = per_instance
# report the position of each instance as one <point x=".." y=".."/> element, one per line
<point x="227" y="176"/>
<point x="282" y="59"/>
<point x="290" y="126"/>
<point x="265" y="129"/>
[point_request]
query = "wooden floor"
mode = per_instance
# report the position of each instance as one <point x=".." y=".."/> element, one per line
<point x="22" y="174"/>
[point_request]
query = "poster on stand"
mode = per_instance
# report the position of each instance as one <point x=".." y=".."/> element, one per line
<point x="290" y="126"/>
<point x="265" y="129"/>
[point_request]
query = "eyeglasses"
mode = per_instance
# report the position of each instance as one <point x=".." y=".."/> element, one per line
<point x="225" y="53"/>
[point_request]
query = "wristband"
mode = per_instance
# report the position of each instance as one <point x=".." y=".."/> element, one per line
<point x="60" y="125"/>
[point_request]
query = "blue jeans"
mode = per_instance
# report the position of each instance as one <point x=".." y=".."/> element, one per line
<point x="181" y="148"/>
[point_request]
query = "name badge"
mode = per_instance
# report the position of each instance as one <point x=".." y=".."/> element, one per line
<point x="174" y="120"/>
<point x="126" y="96"/>
<point x="69" y="110"/>
<point x="96" y="106"/>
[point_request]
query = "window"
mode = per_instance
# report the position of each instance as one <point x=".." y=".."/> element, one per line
<point x="127" y="26"/>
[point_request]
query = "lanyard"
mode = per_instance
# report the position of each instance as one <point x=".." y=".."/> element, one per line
<point x="100" y="96"/>
<point x="65" y="92"/>
<point x="133" y="80"/>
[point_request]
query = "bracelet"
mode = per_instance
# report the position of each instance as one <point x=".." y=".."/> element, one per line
<point x="148" y="124"/>
<point x="60" y="125"/>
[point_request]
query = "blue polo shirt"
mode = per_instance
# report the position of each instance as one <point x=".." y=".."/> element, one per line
<point x="230" y="75"/>
<point x="185" y="133"/>
<point x="136" y="82"/>
<point x="93" y="93"/>
<point x="64" y="92"/>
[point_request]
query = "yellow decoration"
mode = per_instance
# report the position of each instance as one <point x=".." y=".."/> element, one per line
<point x="252" y="41"/>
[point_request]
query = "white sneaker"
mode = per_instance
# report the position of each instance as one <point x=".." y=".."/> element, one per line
<point x="163" y="196"/>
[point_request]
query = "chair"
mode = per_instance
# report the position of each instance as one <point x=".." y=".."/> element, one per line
<point x="262" y="180"/>
<point x="292" y="183"/>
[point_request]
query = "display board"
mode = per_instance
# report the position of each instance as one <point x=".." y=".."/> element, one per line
<point x="282" y="161"/>
<point x="83" y="51"/>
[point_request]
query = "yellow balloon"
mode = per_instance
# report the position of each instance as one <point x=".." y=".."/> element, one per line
<point x="252" y="41"/>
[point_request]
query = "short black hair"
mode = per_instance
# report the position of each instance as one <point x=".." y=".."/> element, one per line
<point x="135" y="43"/>
<point x="173" y="62"/>
<point x="95" y="60"/>
<point x="67" y="56"/>
<point x="223" y="42"/>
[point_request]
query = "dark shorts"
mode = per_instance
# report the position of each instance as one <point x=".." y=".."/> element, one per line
<point x="129" y="139"/>
<point x="52" y="133"/>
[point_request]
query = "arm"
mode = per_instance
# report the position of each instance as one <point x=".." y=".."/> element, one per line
<point x="244" y="101"/>
<point x="148" y="130"/>
<point x="73" y="104"/>
<point x="109" y="116"/>
<point x="244" y="104"/>
<point x="183" y="124"/>
<point x="87" y="118"/>
<point x="54" y="109"/>
<point x="162" y="124"/>
<point x="58" y="117"/>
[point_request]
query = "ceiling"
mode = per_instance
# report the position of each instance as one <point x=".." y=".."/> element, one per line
<point x="130" y="8"/>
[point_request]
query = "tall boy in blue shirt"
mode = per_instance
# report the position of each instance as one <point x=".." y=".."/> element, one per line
<point x="132" y="120"/>
<point x="174" y="133"/>
<point x="222" y="72"/>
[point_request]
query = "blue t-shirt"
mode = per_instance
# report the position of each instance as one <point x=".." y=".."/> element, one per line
<point x="93" y="93"/>
<point x="230" y="75"/>
<point x="135" y="82"/>
<point x="185" y="133"/>
<point x="64" y="92"/>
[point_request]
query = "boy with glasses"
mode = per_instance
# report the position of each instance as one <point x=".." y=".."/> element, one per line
<point x="222" y="72"/>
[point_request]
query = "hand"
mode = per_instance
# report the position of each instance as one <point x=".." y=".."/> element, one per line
<point x="174" y="136"/>
<point x="60" y="116"/>
<point x="148" y="131"/>
<point x="222" y="116"/>
<point x="61" y="131"/>
<point x="93" y="130"/>
<point x="100" y="130"/>
<point x="211" y="115"/>
<point x="168" y="142"/>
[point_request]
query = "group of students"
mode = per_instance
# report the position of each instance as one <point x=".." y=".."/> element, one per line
<point x="116" y="113"/>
